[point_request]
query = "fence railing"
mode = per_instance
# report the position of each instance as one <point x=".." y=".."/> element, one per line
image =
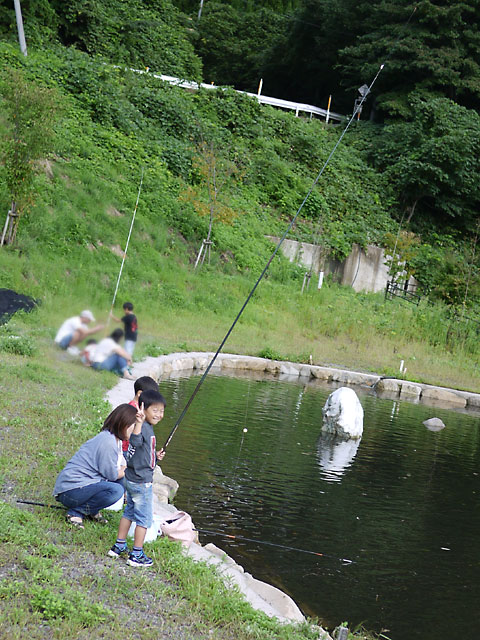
<point x="396" y="290"/>
<point x="298" y="107"/>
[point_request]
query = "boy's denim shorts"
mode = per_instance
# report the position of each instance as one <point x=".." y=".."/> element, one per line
<point x="139" y="503"/>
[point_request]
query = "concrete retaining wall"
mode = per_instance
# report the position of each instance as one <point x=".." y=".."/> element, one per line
<point x="363" y="269"/>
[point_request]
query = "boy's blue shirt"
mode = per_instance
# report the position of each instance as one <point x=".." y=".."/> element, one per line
<point x="141" y="464"/>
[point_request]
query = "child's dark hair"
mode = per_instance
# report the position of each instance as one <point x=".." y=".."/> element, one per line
<point x="120" y="418"/>
<point x="128" y="305"/>
<point x="145" y="383"/>
<point x="117" y="335"/>
<point x="150" y="397"/>
<point x="91" y="341"/>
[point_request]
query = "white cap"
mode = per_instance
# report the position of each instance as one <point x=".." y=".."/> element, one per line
<point x="88" y="315"/>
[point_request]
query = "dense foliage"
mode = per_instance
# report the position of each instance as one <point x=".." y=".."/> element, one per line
<point x="419" y="168"/>
<point x="143" y="33"/>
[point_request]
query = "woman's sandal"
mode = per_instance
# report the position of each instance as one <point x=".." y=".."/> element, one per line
<point x="75" y="521"/>
<point x="98" y="518"/>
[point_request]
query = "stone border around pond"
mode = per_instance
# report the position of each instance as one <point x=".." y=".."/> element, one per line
<point x="391" y="387"/>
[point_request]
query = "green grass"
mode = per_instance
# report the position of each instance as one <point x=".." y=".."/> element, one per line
<point x="60" y="579"/>
<point x="67" y="258"/>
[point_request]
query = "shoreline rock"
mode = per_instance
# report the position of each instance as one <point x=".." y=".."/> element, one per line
<point x="168" y="365"/>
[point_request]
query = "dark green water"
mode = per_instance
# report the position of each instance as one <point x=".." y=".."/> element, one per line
<point x="404" y="506"/>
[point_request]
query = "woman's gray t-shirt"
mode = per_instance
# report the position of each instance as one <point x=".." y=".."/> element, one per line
<point x="96" y="460"/>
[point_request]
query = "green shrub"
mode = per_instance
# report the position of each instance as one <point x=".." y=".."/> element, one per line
<point x="270" y="354"/>
<point x="19" y="345"/>
<point x="154" y="350"/>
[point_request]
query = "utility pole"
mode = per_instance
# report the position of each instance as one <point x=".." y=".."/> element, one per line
<point x="21" y="34"/>
<point x="200" y="11"/>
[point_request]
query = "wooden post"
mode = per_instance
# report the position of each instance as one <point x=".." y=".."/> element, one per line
<point x="306" y="280"/>
<point x="10" y="228"/>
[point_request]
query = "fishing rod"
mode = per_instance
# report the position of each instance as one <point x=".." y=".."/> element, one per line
<point x="126" y="247"/>
<point x="260" y="278"/>
<point x="272" y="544"/>
<point x="41" y="504"/>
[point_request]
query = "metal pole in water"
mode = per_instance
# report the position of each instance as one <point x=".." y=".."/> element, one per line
<point x="341" y="633"/>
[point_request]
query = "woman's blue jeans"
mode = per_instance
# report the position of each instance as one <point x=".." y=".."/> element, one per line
<point x="87" y="501"/>
<point x="114" y="363"/>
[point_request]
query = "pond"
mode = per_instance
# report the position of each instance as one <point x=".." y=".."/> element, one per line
<point x="401" y="504"/>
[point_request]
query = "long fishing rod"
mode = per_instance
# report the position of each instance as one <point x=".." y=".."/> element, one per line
<point x="287" y="230"/>
<point x="126" y="246"/>
<point x="271" y="544"/>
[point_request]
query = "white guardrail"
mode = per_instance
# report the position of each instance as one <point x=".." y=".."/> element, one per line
<point x="274" y="102"/>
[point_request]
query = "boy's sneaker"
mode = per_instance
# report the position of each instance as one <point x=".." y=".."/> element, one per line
<point x="139" y="560"/>
<point x="116" y="551"/>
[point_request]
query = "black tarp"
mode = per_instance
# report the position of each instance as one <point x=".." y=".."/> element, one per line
<point x="11" y="301"/>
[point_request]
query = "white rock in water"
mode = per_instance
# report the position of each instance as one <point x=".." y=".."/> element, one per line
<point x="434" y="424"/>
<point x="343" y="414"/>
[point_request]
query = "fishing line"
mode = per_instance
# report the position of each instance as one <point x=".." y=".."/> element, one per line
<point x="358" y="108"/>
<point x="265" y="269"/>
<point x="243" y="432"/>
<point x="273" y="544"/>
<point x="218" y="533"/>
<point x="126" y="247"/>
<point x="41" y="504"/>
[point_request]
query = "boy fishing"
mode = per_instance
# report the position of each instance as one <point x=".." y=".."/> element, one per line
<point x="138" y="480"/>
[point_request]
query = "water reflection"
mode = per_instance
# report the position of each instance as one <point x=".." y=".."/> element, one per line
<point x="335" y="455"/>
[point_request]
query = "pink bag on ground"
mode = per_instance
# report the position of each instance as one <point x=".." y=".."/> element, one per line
<point x="179" y="527"/>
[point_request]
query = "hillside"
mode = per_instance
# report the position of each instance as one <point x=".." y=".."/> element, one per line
<point x="189" y="158"/>
<point x="117" y="125"/>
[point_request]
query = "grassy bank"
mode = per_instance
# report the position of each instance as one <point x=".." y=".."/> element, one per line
<point x="60" y="580"/>
<point x="180" y="309"/>
<point x="68" y="257"/>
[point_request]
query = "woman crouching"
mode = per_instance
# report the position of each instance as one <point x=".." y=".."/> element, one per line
<point x="93" y="478"/>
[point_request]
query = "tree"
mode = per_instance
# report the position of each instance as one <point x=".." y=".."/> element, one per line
<point x="213" y="174"/>
<point x="233" y="43"/>
<point x="433" y="160"/>
<point x="335" y="46"/>
<point x="29" y="114"/>
<point x="301" y="63"/>
<point x="431" y="48"/>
